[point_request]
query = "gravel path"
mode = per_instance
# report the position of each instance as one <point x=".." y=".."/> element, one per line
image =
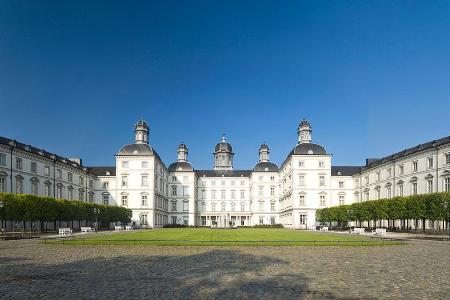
<point x="29" y="269"/>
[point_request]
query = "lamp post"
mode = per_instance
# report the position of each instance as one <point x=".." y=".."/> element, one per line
<point x="96" y="212"/>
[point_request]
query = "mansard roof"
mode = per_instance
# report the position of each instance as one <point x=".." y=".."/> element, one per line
<point x="345" y="170"/>
<point x="102" y="171"/>
<point x="138" y="149"/>
<point x="27" y="148"/>
<point x="409" y="151"/>
<point x="308" y="149"/>
<point x="180" y="166"/>
<point x="265" y="167"/>
<point x="223" y="173"/>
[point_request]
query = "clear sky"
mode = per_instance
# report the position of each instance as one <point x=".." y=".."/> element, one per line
<point x="373" y="77"/>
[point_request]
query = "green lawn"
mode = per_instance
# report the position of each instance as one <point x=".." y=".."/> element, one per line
<point x="224" y="237"/>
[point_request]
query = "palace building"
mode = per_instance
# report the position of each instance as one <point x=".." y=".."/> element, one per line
<point x="177" y="193"/>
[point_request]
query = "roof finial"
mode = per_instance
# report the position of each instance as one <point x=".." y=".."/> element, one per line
<point x="224" y="140"/>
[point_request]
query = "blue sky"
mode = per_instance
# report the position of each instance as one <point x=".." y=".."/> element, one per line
<point x="373" y="77"/>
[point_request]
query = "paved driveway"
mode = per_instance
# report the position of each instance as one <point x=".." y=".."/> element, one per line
<point x="28" y="269"/>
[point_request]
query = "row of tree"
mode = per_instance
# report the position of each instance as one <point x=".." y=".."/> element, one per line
<point x="31" y="208"/>
<point x="419" y="208"/>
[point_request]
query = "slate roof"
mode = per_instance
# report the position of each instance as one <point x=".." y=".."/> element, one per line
<point x="261" y="167"/>
<point x="223" y="173"/>
<point x="102" y="171"/>
<point x="345" y="170"/>
<point x="308" y="149"/>
<point x="138" y="149"/>
<point x="185" y="167"/>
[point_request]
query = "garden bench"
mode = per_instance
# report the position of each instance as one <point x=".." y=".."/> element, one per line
<point x="128" y="228"/>
<point x="324" y="229"/>
<point x="65" y="231"/>
<point x="118" y="228"/>
<point x="87" y="229"/>
<point x="357" y="231"/>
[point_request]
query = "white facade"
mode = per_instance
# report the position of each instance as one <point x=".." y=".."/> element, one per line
<point x="267" y="194"/>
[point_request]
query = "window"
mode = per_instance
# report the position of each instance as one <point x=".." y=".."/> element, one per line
<point x="124" y="181"/>
<point x="429" y="162"/>
<point x="222" y="194"/>
<point x="174" y="220"/>
<point x="19" y="185"/>
<point x="447" y="184"/>
<point x="81" y="180"/>
<point x="185" y="190"/>
<point x="430" y="185"/>
<point x="144" y="180"/>
<point x="81" y="195"/>
<point x="366" y="179"/>
<point x="174" y="178"/>
<point x="242" y="206"/>
<point x="144" y="200"/>
<point x="124" y="164"/>
<point x="2" y="184"/>
<point x="34" y="187"/>
<point x="260" y="206"/>
<point x="242" y="182"/>
<point x="322" y="200"/>
<point x="341" y="184"/>
<point x="322" y="180"/>
<point x="388" y="172"/>
<point x="174" y="190"/>
<point x="415" y="165"/>
<point x="321" y="164"/>
<point x="213" y="207"/>
<point x="33" y="167"/>
<point x="203" y="206"/>
<point x="91" y="183"/>
<point x="213" y="194"/>
<point x="377" y="190"/>
<point x="388" y="192"/>
<point x="223" y="206"/>
<point x="2" y="159"/>
<point x="260" y="191"/>
<point x="401" y="170"/>
<point x="213" y="183"/>
<point x="70" y="193"/>
<point x="144" y="164"/>
<point x="47" y="171"/>
<point x="260" y="178"/>
<point x="300" y="164"/>
<point x="400" y="189"/>
<point x="105" y="199"/>
<point x="378" y="176"/>
<point x="69" y="177"/>
<point x="233" y="195"/>
<point x="301" y="180"/>
<point x="414" y="188"/>
<point x="47" y="189"/>
<point x="105" y="184"/>
<point x="143" y="219"/>
<point x="59" y="173"/>
<point x="59" y="192"/>
<point x="18" y="163"/>
<point x="272" y="206"/>
<point x="342" y="199"/>
<point x="242" y="194"/>
<point x="272" y="191"/>
<point x="302" y="200"/>
<point x="261" y="220"/>
<point x="203" y="194"/>
<point x="447" y="159"/>
<point x="303" y="219"/>
<point x="272" y="178"/>
<point x="185" y="206"/>
<point x="124" y="200"/>
<point x="272" y="220"/>
<point x="91" y="197"/>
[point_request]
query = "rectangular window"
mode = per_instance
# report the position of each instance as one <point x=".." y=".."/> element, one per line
<point x="242" y="194"/>
<point x="124" y="181"/>
<point x="302" y="200"/>
<point x="33" y="167"/>
<point x="342" y="199"/>
<point x="91" y="183"/>
<point x="261" y="206"/>
<point x="174" y="220"/>
<point x="322" y="180"/>
<point x="400" y="190"/>
<point x="388" y="192"/>
<point x="47" y="171"/>
<point x="415" y="166"/>
<point x="260" y="178"/>
<point x="388" y="172"/>
<point x="174" y="190"/>
<point x="222" y="194"/>
<point x="185" y="206"/>
<point x="174" y="206"/>
<point x="203" y="194"/>
<point x="185" y="191"/>
<point x="447" y="158"/>
<point x="261" y="191"/>
<point x="301" y="180"/>
<point x="59" y="192"/>
<point x="213" y="183"/>
<point x="401" y="170"/>
<point x="430" y="162"/>
<point x="18" y="163"/>
<point x="81" y="195"/>
<point x="59" y="173"/>
<point x="261" y="220"/>
<point x="213" y="194"/>
<point x="105" y="184"/>
<point x="124" y="200"/>
<point x="272" y="178"/>
<point x="222" y="183"/>
<point x="70" y="192"/>
<point x="47" y="190"/>
<point x="430" y="185"/>
<point x="233" y="195"/>
<point x="378" y="176"/>
<point x="213" y="207"/>
<point x="2" y="159"/>
<point x="341" y="184"/>
<point x="301" y="164"/>
<point x="144" y="180"/>
<point x="124" y="164"/>
<point x="366" y="179"/>
<point x="447" y="184"/>
<point x="322" y="200"/>
<point x="303" y="219"/>
<point x="144" y="200"/>
<point x="105" y="199"/>
<point x="272" y="191"/>
<point x="321" y="164"/>
<point x="91" y="197"/>
<point x="272" y="220"/>
<point x="145" y="164"/>
<point x="414" y="188"/>
<point x="242" y="206"/>
<point x="34" y="188"/>
<point x="242" y="182"/>
<point x="2" y="184"/>
<point x="272" y="206"/>
<point x="69" y="177"/>
<point x="81" y="180"/>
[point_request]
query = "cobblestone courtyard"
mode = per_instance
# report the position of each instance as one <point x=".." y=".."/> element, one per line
<point x="29" y="269"/>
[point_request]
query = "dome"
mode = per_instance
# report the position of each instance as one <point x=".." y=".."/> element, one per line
<point x="180" y="166"/>
<point x="182" y="146"/>
<point x="141" y="123"/>
<point x="265" y="166"/>
<point x="304" y="123"/>
<point x="308" y="149"/>
<point x="223" y="146"/>
<point x="264" y="146"/>
<point x="136" y="149"/>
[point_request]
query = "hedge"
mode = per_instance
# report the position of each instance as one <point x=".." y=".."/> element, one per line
<point x="21" y="207"/>
<point x="433" y="207"/>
